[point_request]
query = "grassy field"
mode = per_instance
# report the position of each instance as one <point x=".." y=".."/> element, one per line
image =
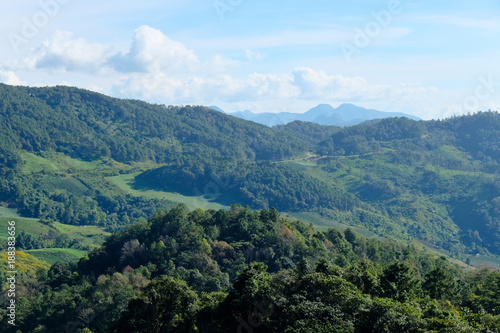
<point x="56" y="162"/>
<point x="30" y="226"/>
<point x="54" y="255"/>
<point x="300" y="165"/>
<point x="34" y="163"/>
<point x="70" y="184"/>
<point x="91" y="236"/>
<point x="88" y="235"/>
<point x="486" y="261"/>
<point x="8" y="212"/>
<point x="126" y="183"/>
<point x="320" y="223"/>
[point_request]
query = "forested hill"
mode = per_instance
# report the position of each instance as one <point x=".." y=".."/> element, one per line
<point x="240" y="270"/>
<point x="432" y="181"/>
<point x="89" y="125"/>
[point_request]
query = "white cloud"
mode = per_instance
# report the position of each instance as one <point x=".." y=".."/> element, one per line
<point x="318" y="84"/>
<point x="63" y="52"/>
<point x="204" y="89"/>
<point x="323" y="86"/>
<point x="9" y="77"/>
<point x="150" y="52"/>
<point x="254" y="55"/>
<point x="150" y="87"/>
<point x="303" y="83"/>
<point x="153" y="52"/>
<point x="159" y="69"/>
<point x="219" y="64"/>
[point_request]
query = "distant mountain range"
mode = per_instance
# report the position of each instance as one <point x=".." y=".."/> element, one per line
<point x="324" y="114"/>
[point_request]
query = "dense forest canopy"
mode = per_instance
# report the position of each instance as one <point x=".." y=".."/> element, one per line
<point x="246" y="270"/>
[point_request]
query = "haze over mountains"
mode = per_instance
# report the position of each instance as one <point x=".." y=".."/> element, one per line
<point x="324" y="114"/>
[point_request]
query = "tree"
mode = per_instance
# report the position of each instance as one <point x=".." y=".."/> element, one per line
<point x="398" y="282"/>
<point x="440" y="284"/>
<point x="167" y="305"/>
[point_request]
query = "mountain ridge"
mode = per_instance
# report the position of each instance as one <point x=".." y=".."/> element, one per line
<point x="346" y="114"/>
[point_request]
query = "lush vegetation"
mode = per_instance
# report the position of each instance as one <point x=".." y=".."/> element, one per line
<point x="224" y="271"/>
<point x="91" y="127"/>
<point x="84" y="169"/>
<point x="432" y="181"/>
<point x="63" y="149"/>
<point x="258" y="184"/>
<point x="437" y="179"/>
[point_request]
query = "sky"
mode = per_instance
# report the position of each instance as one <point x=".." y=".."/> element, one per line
<point x="431" y="59"/>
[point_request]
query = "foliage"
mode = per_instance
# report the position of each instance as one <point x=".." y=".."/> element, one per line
<point x="237" y="270"/>
<point x="434" y="181"/>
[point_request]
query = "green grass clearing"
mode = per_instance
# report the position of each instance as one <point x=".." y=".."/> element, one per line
<point x="90" y="235"/>
<point x="70" y="184"/>
<point x="126" y="183"/>
<point x="30" y="226"/>
<point x="321" y="224"/>
<point x="54" y="255"/>
<point x="9" y="212"/>
<point x="57" y="162"/>
<point x="300" y="165"/>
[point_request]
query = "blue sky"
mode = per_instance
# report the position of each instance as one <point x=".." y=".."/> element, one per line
<point x="431" y="59"/>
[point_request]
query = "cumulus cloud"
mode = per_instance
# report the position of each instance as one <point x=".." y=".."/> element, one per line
<point x="150" y="51"/>
<point x="64" y="52"/>
<point x="315" y="84"/>
<point x="72" y="54"/>
<point x="303" y="83"/>
<point x="318" y="84"/>
<point x="204" y="89"/>
<point x="9" y="77"/>
<point x="153" y="52"/>
<point x="158" y="69"/>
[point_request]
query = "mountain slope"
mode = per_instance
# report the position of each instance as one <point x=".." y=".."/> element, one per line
<point x="91" y="125"/>
<point x="434" y="181"/>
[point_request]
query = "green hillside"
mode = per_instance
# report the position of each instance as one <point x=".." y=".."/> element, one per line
<point x="51" y="241"/>
<point x="81" y="158"/>
<point x="129" y="184"/>
<point x="220" y="271"/>
<point x="94" y="183"/>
